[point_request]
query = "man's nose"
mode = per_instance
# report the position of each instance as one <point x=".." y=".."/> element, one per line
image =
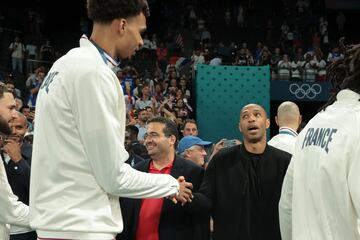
<point x="251" y="118"/>
<point x="13" y="114"/>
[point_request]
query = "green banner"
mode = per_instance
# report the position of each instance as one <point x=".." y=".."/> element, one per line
<point x="221" y="92"/>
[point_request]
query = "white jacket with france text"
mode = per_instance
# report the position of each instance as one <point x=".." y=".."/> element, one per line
<point x="320" y="197"/>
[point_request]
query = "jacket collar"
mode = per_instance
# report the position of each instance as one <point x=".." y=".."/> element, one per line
<point x="102" y="56"/>
<point x="346" y="95"/>
<point x="176" y="170"/>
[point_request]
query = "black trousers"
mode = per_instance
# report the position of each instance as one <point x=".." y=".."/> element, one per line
<point x="24" y="236"/>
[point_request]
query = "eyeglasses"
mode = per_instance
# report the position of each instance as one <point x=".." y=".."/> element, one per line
<point x="151" y="135"/>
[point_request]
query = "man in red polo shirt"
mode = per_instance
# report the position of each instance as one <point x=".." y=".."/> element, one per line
<point x="157" y="219"/>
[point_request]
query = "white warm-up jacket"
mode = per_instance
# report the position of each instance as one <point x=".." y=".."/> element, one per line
<point x="78" y="170"/>
<point x="12" y="211"/>
<point x="320" y="197"/>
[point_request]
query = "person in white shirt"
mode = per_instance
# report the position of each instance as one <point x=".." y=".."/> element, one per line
<point x="78" y="166"/>
<point x="11" y="210"/>
<point x="288" y="119"/>
<point x="17" y="50"/>
<point x="320" y="197"/>
<point x="197" y="58"/>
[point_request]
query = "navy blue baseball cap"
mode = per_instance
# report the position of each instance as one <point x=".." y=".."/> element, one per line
<point x="189" y="141"/>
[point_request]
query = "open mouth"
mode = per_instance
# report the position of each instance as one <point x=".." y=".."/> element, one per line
<point x="252" y="129"/>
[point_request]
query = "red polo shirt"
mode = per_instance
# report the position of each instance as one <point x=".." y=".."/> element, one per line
<point x="150" y="211"/>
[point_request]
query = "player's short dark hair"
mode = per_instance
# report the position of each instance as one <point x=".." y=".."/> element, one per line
<point x="3" y="89"/>
<point x="105" y="11"/>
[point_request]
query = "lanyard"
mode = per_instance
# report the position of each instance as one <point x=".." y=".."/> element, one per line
<point x="288" y="132"/>
<point x="106" y="58"/>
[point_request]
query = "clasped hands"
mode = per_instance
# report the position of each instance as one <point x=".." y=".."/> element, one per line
<point x="185" y="192"/>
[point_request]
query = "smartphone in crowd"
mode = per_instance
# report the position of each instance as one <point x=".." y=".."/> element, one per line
<point x="229" y="143"/>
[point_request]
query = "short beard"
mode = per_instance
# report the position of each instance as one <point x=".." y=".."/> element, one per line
<point x="4" y="126"/>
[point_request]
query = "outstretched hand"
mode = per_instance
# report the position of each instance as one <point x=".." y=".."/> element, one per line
<point x="185" y="192"/>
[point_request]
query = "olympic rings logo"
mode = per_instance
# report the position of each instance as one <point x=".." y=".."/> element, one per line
<point x="305" y="90"/>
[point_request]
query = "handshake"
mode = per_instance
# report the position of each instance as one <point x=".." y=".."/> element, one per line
<point x="185" y="192"/>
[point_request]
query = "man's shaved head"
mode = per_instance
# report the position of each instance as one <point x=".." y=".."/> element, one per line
<point x="288" y="114"/>
<point x="253" y="105"/>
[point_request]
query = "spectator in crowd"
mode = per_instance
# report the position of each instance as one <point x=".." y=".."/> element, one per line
<point x="38" y="74"/>
<point x="299" y="55"/>
<point x="158" y="95"/>
<point x="131" y="134"/>
<point x="190" y="128"/>
<point x="47" y="54"/>
<point x="205" y="36"/>
<point x="192" y="17"/>
<point x="35" y="87"/>
<point x="284" y="67"/>
<point x="302" y="6"/>
<point x="81" y="106"/>
<point x="29" y="114"/>
<point x="151" y="112"/>
<point x="162" y="55"/>
<point x="269" y="30"/>
<point x="227" y="17"/>
<point x="143" y="117"/>
<point x="197" y="58"/>
<point x="11" y="88"/>
<point x="334" y="55"/>
<point x="216" y="60"/>
<point x="320" y="65"/>
<point x="19" y="103"/>
<point x="148" y="44"/>
<point x="265" y="58"/>
<point x="158" y="218"/>
<point x="17" y="50"/>
<point x="181" y="109"/>
<point x="183" y="86"/>
<point x="193" y="149"/>
<point x="131" y="145"/>
<point x="275" y="59"/>
<point x="145" y="98"/>
<point x="12" y="211"/>
<point x="17" y="157"/>
<point x="284" y="30"/>
<point x="258" y="52"/>
<point x="32" y="54"/>
<point x="323" y="26"/>
<point x="249" y="208"/>
<point x="316" y="40"/>
<point x="243" y="58"/>
<point x="297" y="69"/>
<point x="240" y="16"/>
<point x="320" y="197"/>
<point x="288" y="119"/>
<point x="310" y="67"/>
